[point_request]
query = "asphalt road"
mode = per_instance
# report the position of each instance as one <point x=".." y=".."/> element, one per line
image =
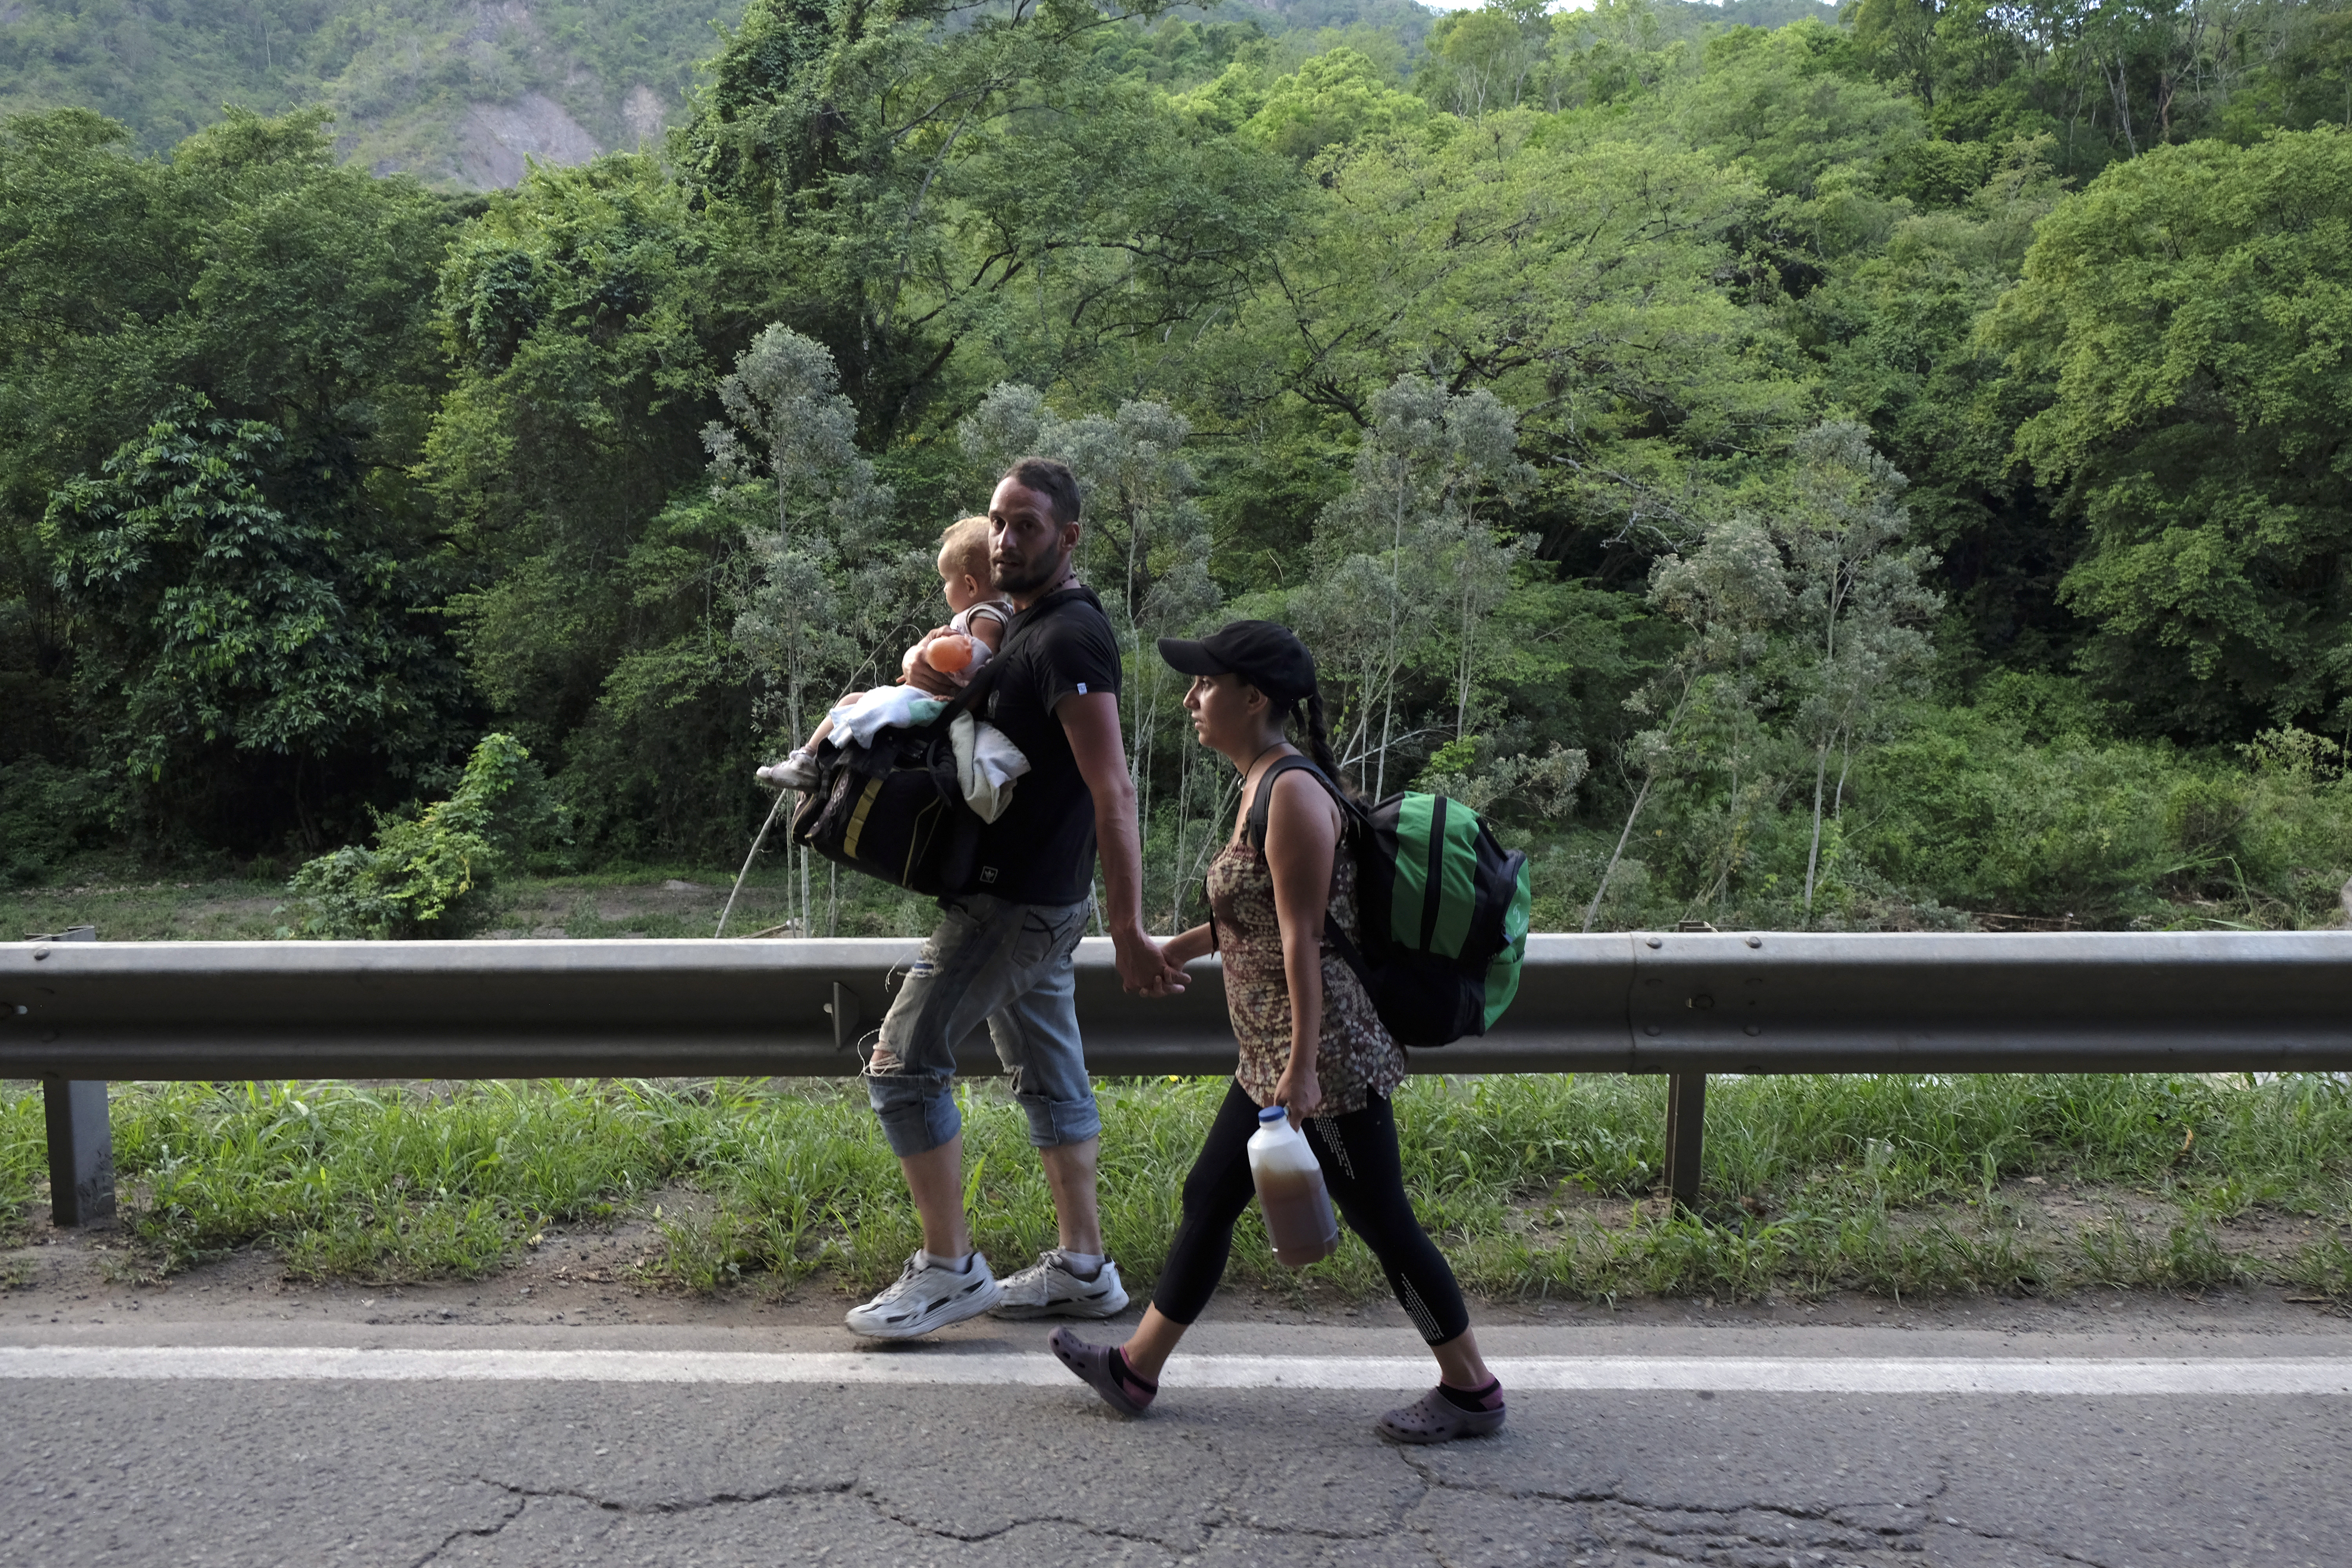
<point x="231" y="1442"/>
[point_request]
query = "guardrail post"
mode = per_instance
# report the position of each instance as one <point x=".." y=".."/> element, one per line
<point x="1686" y="1135"/>
<point x="847" y="1014"/>
<point x="81" y="1152"/>
<point x="81" y="1144"/>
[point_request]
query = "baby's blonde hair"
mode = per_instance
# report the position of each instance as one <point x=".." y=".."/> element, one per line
<point x="963" y="550"/>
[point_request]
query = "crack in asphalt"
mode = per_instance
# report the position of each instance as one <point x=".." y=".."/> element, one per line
<point x="2054" y="1550"/>
<point x="1695" y="1531"/>
<point x="1108" y="1532"/>
<point x="523" y="1497"/>
<point x="1651" y="1523"/>
<point x="681" y="1505"/>
<point x="455" y="1536"/>
<point x="1308" y="1532"/>
<point x="1399" y="1512"/>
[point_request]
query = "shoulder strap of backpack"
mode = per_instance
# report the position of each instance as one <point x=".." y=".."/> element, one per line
<point x="1254" y="832"/>
<point x="973" y="696"/>
<point x="1254" y="829"/>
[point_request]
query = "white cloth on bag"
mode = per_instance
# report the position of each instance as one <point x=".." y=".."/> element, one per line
<point x="987" y="762"/>
<point x="884" y="708"/>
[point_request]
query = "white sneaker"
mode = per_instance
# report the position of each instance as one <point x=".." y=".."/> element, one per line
<point x="924" y="1298"/>
<point x="1047" y="1288"/>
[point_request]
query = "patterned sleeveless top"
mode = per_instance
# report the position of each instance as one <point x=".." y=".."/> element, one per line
<point x="1355" y="1059"/>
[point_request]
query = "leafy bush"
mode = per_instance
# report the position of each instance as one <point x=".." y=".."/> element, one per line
<point x="46" y="812"/>
<point x="2024" y="805"/>
<point x="429" y="876"/>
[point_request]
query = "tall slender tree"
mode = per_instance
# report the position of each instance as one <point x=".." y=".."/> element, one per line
<point x="1727" y="594"/>
<point x="792" y="444"/>
<point x="1406" y="567"/>
<point x="1856" y="598"/>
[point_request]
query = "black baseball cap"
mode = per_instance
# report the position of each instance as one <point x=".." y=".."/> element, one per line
<point x="1266" y="654"/>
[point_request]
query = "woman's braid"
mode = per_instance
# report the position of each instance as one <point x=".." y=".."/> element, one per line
<point x="1318" y="740"/>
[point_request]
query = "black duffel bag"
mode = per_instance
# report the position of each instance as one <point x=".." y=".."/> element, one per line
<point x="895" y="809"/>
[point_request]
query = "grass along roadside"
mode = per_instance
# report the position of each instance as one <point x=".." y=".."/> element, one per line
<point x="639" y="902"/>
<point x="1536" y="1186"/>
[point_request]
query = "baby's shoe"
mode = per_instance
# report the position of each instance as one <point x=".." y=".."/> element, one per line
<point x="796" y="771"/>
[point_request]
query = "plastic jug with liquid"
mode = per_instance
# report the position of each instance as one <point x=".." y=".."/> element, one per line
<point x="1290" y="1190"/>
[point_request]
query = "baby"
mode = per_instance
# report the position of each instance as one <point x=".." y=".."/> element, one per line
<point x="956" y="650"/>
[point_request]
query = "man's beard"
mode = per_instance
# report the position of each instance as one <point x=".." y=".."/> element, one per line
<point x="1030" y="575"/>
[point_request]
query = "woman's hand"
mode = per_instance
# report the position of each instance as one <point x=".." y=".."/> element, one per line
<point x="1187" y="947"/>
<point x="1298" y="1090"/>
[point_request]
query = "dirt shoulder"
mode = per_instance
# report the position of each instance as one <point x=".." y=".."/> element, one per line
<point x="583" y="1276"/>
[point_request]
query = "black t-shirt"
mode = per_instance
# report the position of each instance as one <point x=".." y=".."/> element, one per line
<point x="1042" y="850"/>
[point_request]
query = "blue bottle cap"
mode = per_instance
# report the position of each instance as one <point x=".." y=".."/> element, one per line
<point x="1273" y="1113"/>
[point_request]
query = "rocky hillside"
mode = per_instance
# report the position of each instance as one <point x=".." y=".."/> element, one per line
<point x="461" y="92"/>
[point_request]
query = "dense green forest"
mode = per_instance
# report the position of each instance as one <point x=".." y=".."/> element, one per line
<point x="1869" y="471"/>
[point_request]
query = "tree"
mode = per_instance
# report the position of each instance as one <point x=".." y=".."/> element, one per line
<point x="916" y="177"/>
<point x="825" y="515"/>
<point x="1896" y="333"/>
<point x="1856" y="599"/>
<point x="216" y="622"/>
<point x="1614" y="50"/>
<point x="1726" y="595"/>
<point x="1578" y="278"/>
<point x="430" y="875"/>
<point x="1403" y="563"/>
<point x="585" y="323"/>
<point x="1334" y="99"/>
<point x="1478" y="559"/>
<point x="252" y="271"/>
<point x="2190" y="313"/>
<point x="1898" y="37"/>
<point x="1486" y="59"/>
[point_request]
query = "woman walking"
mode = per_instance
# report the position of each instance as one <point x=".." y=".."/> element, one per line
<point x="1310" y="1041"/>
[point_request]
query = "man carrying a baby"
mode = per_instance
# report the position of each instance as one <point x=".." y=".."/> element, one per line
<point x="1002" y="949"/>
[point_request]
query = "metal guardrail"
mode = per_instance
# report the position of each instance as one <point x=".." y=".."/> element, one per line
<point x="78" y="1013"/>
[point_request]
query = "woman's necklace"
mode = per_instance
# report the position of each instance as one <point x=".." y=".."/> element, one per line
<point x="1261" y="757"/>
<point x="1243" y="818"/>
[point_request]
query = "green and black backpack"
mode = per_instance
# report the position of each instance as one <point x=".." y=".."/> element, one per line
<point x="1443" y="909"/>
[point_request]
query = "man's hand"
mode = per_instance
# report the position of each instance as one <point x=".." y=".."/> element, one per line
<point x="915" y="671"/>
<point x="1143" y="966"/>
<point x="923" y="678"/>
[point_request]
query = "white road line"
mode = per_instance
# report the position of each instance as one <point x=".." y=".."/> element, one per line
<point x="2054" y="1376"/>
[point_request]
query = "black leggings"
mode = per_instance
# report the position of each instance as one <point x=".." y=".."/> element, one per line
<point x="1357" y="1152"/>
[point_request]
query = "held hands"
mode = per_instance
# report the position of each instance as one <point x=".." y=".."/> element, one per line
<point x="1143" y="966"/>
<point x="1298" y="1091"/>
